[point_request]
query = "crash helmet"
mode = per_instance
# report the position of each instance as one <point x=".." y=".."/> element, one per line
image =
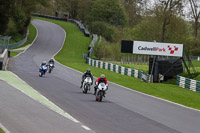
<point x="102" y="76"/>
<point x="88" y="70"/>
<point x="51" y="59"/>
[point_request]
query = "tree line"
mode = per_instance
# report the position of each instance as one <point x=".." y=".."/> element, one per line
<point x="15" y="16"/>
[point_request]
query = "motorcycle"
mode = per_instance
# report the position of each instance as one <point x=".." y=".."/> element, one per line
<point x="86" y="84"/>
<point x="51" y="66"/>
<point x="43" y="70"/>
<point x="101" y="91"/>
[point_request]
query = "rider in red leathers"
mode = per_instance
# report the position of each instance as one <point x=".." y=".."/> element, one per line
<point x="101" y="79"/>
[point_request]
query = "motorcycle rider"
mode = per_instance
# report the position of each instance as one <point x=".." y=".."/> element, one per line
<point x="51" y="61"/>
<point x="44" y="63"/>
<point x="101" y="79"/>
<point x="86" y="74"/>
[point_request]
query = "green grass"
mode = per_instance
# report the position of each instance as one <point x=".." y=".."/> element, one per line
<point x="1" y="131"/>
<point x="12" y="54"/>
<point x="76" y="45"/>
<point x="196" y="63"/>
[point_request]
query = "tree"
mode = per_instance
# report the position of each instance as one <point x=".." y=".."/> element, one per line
<point x="195" y="14"/>
<point x="4" y="15"/>
<point x="166" y="10"/>
<point x="150" y="29"/>
<point x="134" y="9"/>
<point x="18" y="11"/>
<point x="84" y="9"/>
<point x="109" y="11"/>
<point x="78" y="9"/>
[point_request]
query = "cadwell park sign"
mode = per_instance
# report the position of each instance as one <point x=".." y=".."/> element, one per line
<point x="152" y="48"/>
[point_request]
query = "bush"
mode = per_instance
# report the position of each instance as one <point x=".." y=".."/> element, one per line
<point x="98" y="27"/>
<point x="108" y="11"/>
<point x="147" y="30"/>
<point x="104" y="29"/>
<point x="11" y="27"/>
<point x="3" y="23"/>
<point x="13" y="31"/>
<point x="192" y="45"/>
<point x="110" y="33"/>
<point x="106" y="50"/>
<point x="19" y="18"/>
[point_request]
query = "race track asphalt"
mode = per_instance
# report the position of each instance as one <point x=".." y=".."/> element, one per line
<point x="122" y="111"/>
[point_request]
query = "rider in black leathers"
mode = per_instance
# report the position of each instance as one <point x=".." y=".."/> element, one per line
<point x="51" y="61"/>
<point x="86" y="74"/>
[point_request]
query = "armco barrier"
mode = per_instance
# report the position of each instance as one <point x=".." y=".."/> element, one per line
<point x="14" y="45"/>
<point x="187" y="83"/>
<point x="91" y="46"/>
<point x="3" y="59"/>
<point x="81" y="27"/>
<point x="119" y="69"/>
<point x="48" y="16"/>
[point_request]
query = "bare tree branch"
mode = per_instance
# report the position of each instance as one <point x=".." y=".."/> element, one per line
<point x="196" y="15"/>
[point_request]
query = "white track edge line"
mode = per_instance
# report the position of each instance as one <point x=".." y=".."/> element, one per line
<point x="86" y="128"/>
<point x="4" y="129"/>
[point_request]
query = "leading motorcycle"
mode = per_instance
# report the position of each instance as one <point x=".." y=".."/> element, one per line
<point x="42" y="70"/>
<point x="87" y="84"/>
<point x="101" y="91"/>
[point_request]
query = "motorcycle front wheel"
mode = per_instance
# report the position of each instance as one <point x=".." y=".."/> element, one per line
<point x="99" y="96"/>
<point x="40" y="74"/>
<point x="85" y="89"/>
<point x="50" y="70"/>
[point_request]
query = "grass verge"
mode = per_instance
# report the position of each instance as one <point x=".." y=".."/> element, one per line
<point x="1" y="131"/>
<point x="76" y="45"/>
<point x="12" y="53"/>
